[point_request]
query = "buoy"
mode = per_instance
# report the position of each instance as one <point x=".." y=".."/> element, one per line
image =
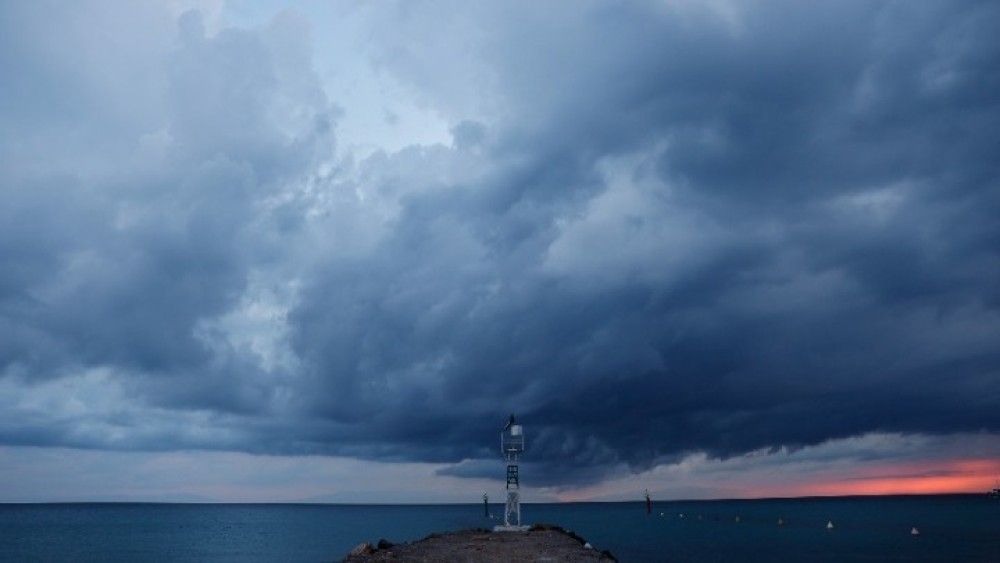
<point x="661" y="515"/>
<point x="737" y="519"/>
<point x="914" y="531"/>
<point x="781" y="522"/>
<point x="829" y="525"/>
<point x="681" y="515"/>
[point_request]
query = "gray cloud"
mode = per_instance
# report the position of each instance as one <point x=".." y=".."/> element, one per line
<point x="659" y="230"/>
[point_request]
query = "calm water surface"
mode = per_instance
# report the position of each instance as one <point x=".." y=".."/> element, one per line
<point x="952" y="528"/>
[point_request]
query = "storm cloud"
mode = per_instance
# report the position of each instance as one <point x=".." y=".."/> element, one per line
<point x="658" y="229"/>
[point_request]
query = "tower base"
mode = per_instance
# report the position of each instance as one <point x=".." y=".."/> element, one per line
<point x="512" y="511"/>
<point x="504" y="528"/>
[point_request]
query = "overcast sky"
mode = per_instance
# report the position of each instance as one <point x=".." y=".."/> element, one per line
<point x="320" y="251"/>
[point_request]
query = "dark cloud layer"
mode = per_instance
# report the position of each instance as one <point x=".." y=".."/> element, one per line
<point x="659" y="230"/>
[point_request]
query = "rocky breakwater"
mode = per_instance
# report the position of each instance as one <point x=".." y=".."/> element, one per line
<point x="542" y="542"/>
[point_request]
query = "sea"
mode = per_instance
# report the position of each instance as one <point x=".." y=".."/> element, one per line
<point x="951" y="528"/>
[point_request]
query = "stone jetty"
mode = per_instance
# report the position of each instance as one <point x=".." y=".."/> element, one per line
<point x="542" y="542"/>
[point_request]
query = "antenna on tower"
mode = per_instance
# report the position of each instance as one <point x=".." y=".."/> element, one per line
<point x="512" y="446"/>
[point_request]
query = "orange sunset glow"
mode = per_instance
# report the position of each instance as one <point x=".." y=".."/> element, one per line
<point x="939" y="477"/>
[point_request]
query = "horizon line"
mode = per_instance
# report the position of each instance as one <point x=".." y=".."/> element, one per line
<point x="637" y="501"/>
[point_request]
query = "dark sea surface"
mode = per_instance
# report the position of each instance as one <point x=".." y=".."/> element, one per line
<point x="952" y="528"/>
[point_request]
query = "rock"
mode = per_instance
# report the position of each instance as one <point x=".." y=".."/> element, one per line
<point x="384" y="544"/>
<point x="543" y="542"/>
<point x="362" y="549"/>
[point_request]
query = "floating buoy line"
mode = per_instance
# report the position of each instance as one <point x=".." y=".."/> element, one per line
<point x="781" y="522"/>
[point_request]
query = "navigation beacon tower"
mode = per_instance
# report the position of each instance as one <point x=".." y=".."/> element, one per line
<point x="512" y="445"/>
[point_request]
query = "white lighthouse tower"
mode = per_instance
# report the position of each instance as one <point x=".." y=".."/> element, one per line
<point x="512" y="446"/>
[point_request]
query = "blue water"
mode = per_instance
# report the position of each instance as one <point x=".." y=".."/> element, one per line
<point x="953" y="528"/>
